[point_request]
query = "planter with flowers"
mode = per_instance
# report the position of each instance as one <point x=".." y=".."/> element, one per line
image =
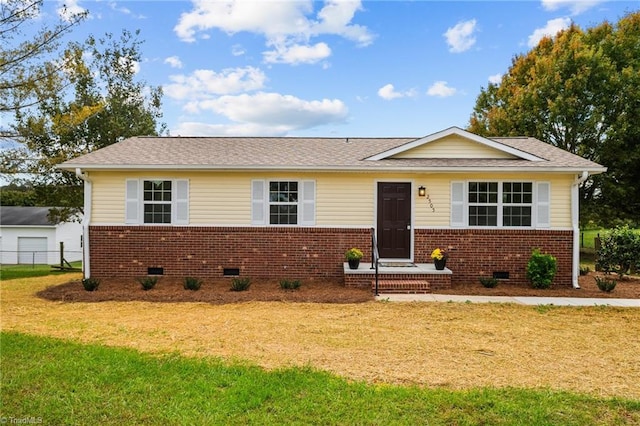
<point x="439" y="257"/>
<point x="353" y="256"/>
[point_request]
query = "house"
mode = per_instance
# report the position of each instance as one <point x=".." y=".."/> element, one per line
<point x="290" y="206"/>
<point x="27" y="236"/>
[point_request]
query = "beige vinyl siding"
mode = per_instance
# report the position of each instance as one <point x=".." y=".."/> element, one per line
<point x="342" y="199"/>
<point x="438" y="187"/>
<point x="453" y="146"/>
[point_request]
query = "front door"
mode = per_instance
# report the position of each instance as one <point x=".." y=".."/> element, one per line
<point x="394" y="220"/>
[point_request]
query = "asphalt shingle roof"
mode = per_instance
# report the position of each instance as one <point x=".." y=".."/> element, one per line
<point x="307" y="153"/>
<point x="25" y="216"/>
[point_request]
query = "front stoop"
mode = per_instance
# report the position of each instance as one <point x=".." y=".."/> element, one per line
<point x="421" y="278"/>
<point x="401" y="286"/>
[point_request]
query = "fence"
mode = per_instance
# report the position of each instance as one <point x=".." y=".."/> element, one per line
<point x="60" y="257"/>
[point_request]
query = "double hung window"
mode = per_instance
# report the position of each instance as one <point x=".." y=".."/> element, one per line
<point x="500" y="204"/>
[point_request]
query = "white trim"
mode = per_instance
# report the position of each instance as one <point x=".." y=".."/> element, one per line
<point x="373" y="168"/>
<point x="459" y="132"/>
<point x="86" y="221"/>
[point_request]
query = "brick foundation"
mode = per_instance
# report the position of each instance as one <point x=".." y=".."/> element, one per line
<point x="311" y="253"/>
<point x="258" y="252"/>
<point x="480" y="252"/>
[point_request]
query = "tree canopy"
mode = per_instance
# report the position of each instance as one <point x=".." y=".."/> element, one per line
<point x="95" y="101"/>
<point x="580" y="91"/>
<point x="27" y="51"/>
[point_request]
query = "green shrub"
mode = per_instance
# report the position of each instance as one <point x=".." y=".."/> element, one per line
<point x="584" y="270"/>
<point x="290" y="284"/>
<point x="240" y="284"/>
<point x="90" y="284"/>
<point x="619" y="251"/>
<point x="541" y="269"/>
<point x="606" y="284"/>
<point x="148" y="283"/>
<point x="488" y="282"/>
<point x="192" y="283"/>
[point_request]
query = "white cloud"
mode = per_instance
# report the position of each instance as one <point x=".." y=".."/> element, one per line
<point x="460" y="37"/>
<point x="575" y="6"/>
<point x="495" y="79"/>
<point x="237" y="50"/>
<point x="441" y="89"/>
<point x="288" y="25"/>
<point x="67" y="9"/>
<point x="297" y="54"/>
<point x="203" y="84"/>
<point x="263" y="114"/>
<point x="388" y="92"/>
<point x="173" y="61"/>
<point x="551" y="29"/>
<point x="194" y="128"/>
<point x="274" y="109"/>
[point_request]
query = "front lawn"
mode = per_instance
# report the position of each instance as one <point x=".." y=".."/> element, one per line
<point x="57" y="382"/>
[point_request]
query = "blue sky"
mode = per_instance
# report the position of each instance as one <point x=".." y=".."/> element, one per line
<point x="333" y="68"/>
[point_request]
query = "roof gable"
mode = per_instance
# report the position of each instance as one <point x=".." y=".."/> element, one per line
<point x="455" y="143"/>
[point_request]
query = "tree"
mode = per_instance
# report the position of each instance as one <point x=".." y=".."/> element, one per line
<point x="104" y="103"/>
<point x="27" y="61"/>
<point x="578" y="91"/>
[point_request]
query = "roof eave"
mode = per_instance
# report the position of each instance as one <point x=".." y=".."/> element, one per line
<point x="372" y="168"/>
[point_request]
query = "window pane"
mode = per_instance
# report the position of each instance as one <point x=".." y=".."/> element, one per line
<point x="157" y="213"/>
<point x="516" y="216"/>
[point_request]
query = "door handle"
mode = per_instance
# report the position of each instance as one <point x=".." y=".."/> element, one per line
<point x="408" y="227"/>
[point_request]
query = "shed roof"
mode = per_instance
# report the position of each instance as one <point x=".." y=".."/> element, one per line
<point x="313" y="153"/>
<point x="24" y="216"/>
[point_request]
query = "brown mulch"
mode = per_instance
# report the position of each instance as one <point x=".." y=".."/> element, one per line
<point x="218" y="292"/>
<point x="215" y="292"/>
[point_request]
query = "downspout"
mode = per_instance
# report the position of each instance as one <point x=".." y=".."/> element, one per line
<point x="575" y="219"/>
<point x="86" y="264"/>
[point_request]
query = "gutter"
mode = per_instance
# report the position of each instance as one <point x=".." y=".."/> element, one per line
<point x="86" y="264"/>
<point x="575" y="217"/>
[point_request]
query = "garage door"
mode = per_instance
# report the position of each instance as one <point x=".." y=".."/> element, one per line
<point x="32" y="250"/>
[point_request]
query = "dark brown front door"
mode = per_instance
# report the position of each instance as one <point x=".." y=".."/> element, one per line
<point x="394" y="220"/>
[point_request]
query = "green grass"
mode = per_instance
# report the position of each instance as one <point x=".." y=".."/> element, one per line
<point x="67" y="383"/>
<point x="9" y="272"/>
<point x="588" y="236"/>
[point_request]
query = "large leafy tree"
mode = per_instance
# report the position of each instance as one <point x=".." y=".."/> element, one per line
<point x="103" y="103"/>
<point x="578" y="91"/>
<point x="28" y="51"/>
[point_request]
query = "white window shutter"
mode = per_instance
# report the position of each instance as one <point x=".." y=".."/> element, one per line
<point x="457" y="204"/>
<point x="132" y="202"/>
<point x="543" y="201"/>
<point x="308" y="217"/>
<point x="258" y="202"/>
<point x="181" y="202"/>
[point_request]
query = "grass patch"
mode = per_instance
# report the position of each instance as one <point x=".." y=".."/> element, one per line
<point x="62" y="382"/>
<point x="11" y="272"/>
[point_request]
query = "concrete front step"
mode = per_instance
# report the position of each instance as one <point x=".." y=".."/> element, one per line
<point x="401" y="286"/>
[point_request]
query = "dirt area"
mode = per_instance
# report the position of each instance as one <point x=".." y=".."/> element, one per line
<point x="218" y="292"/>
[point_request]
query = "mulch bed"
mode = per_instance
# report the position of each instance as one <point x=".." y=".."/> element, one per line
<point x="218" y="292"/>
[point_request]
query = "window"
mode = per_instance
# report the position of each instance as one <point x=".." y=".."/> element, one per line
<point x="500" y="204"/>
<point x="483" y="204"/>
<point x="283" y="203"/>
<point x="517" y="200"/>
<point x="157" y="201"/>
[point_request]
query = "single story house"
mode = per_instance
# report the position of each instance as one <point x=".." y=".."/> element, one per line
<point x="27" y="236"/>
<point x="289" y="207"/>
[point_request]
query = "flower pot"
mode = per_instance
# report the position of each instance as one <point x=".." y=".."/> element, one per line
<point x="354" y="263"/>
<point x="440" y="263"/>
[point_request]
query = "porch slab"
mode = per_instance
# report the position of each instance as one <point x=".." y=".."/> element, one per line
<point x="424" y="275"/>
